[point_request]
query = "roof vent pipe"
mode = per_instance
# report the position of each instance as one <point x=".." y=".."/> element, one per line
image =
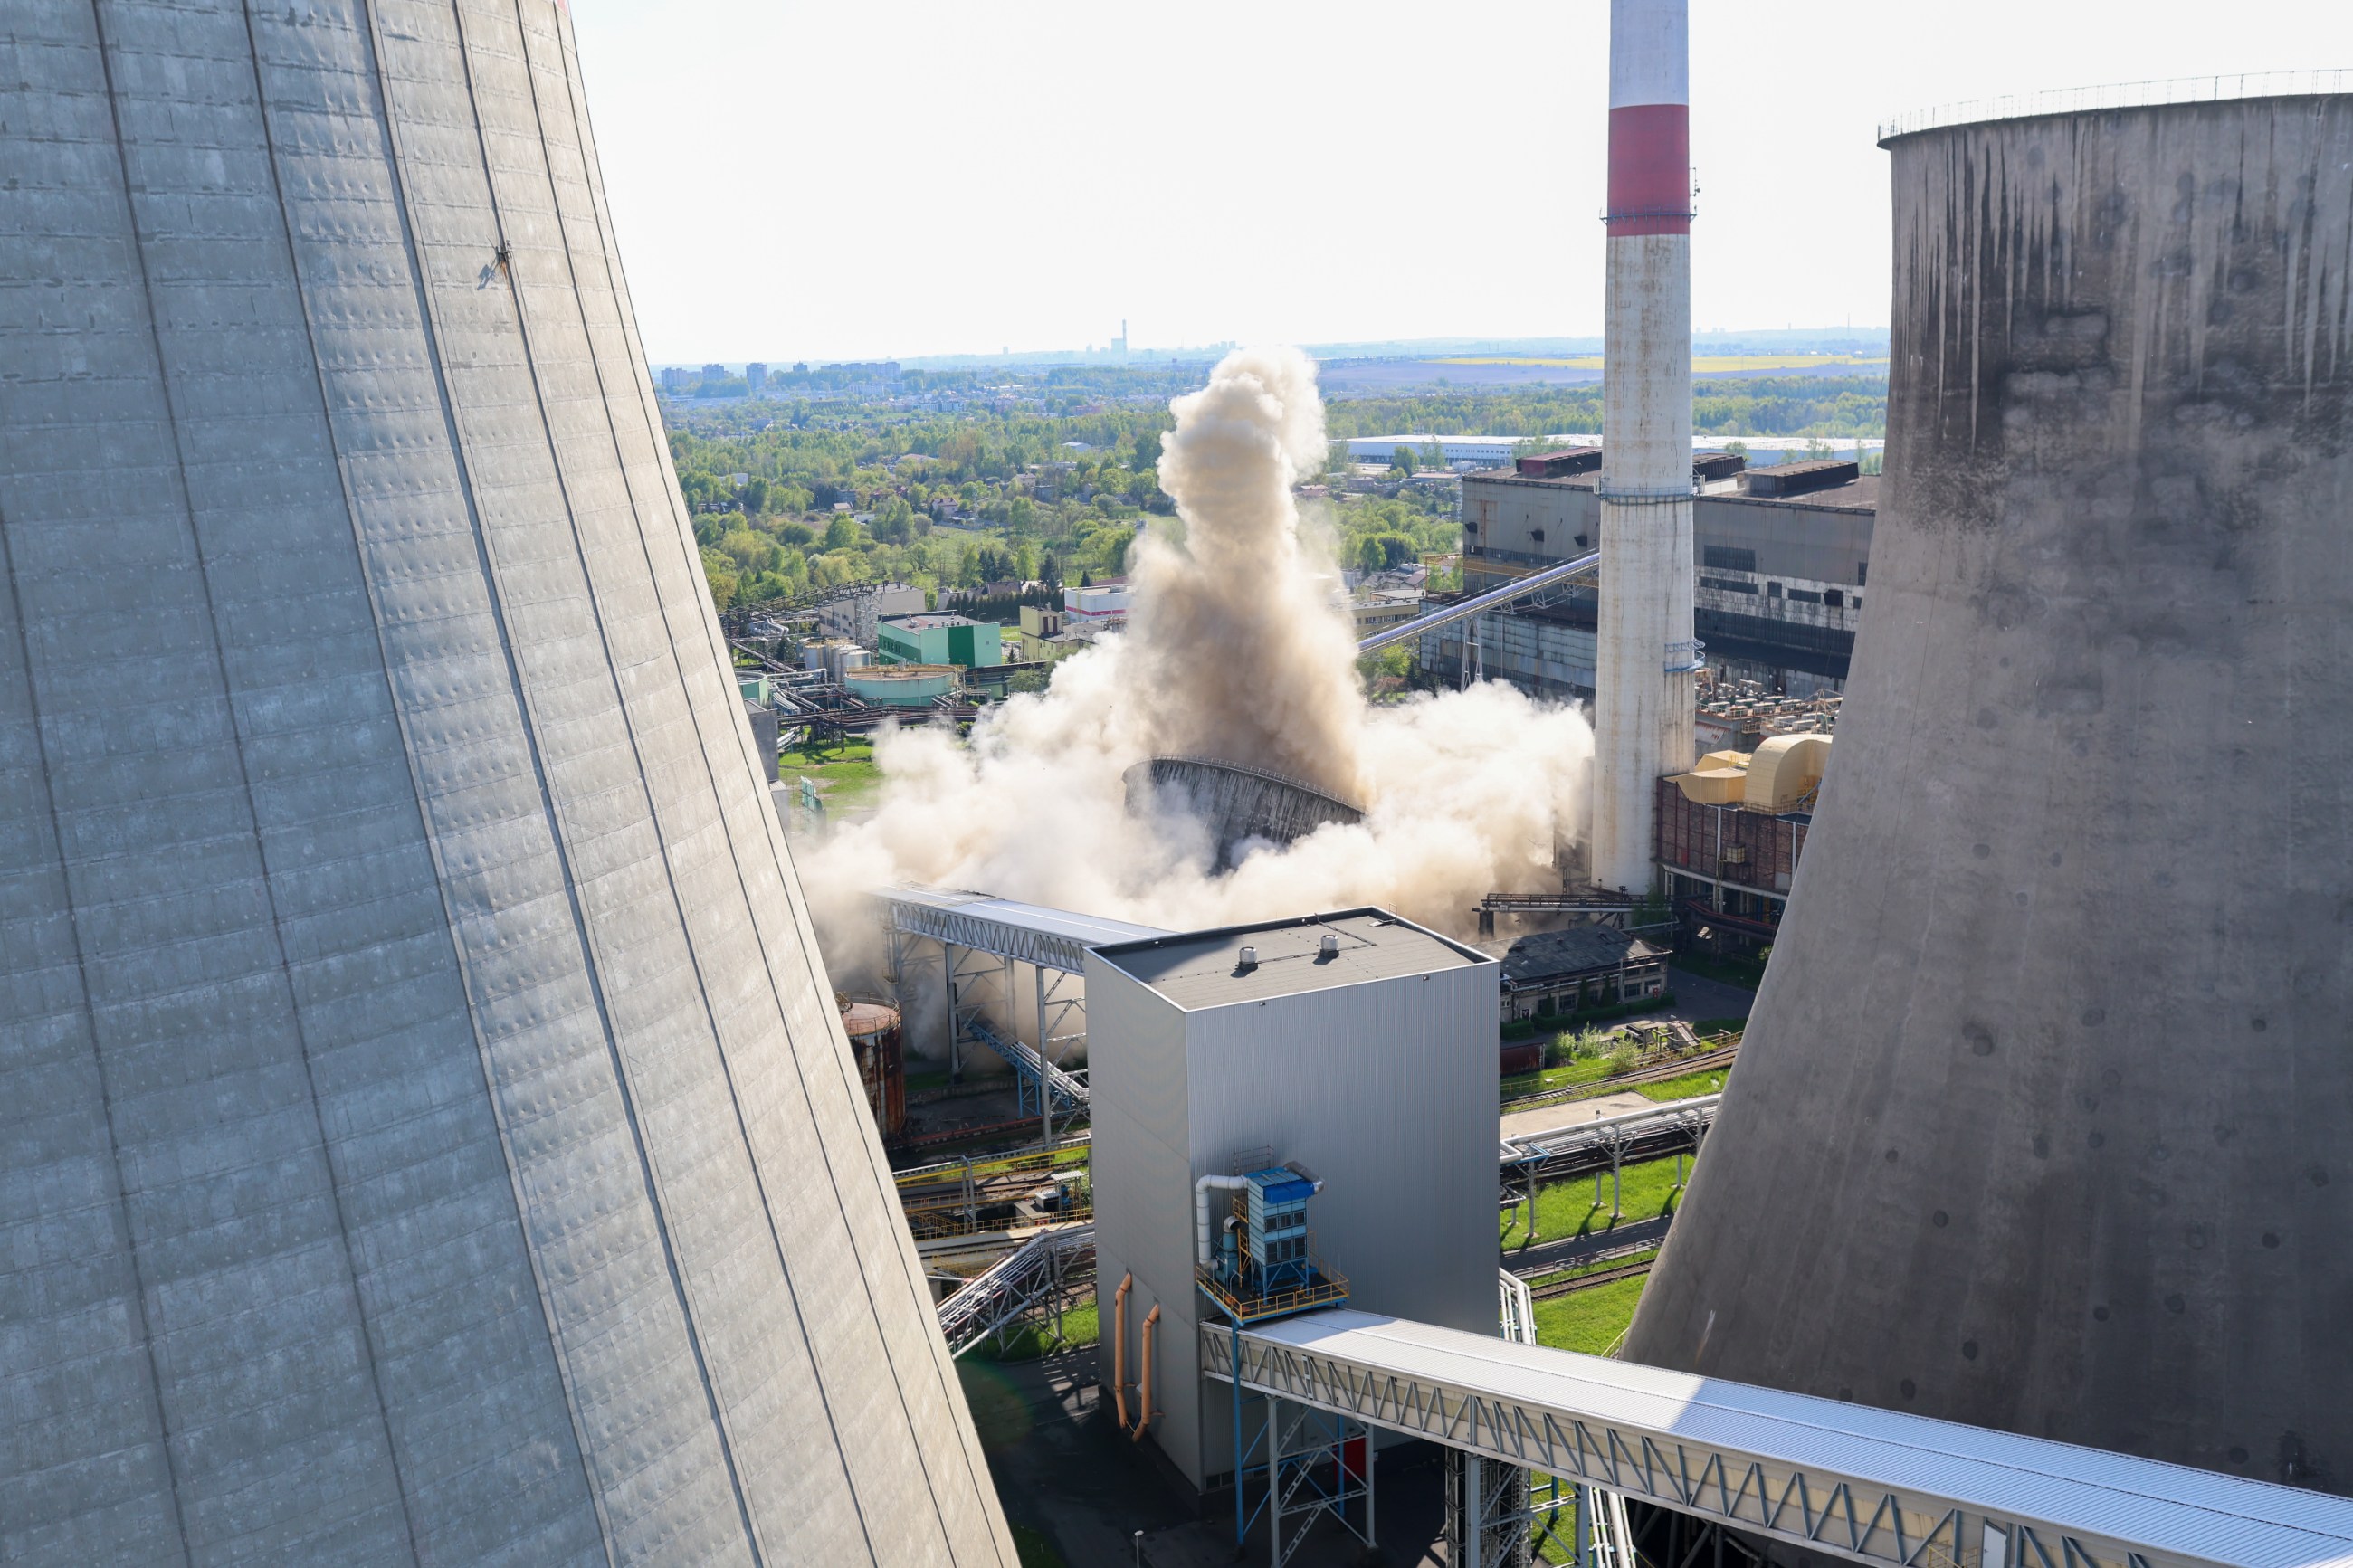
<point x="1201" y="1191"/>
<point x="1328" y="948"/>
<point x="1250" y="958"/>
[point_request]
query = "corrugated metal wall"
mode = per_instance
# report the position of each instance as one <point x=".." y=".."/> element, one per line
<point x="1386" y="1089"/>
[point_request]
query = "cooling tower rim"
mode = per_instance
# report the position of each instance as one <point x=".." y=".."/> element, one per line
<point x="2244" y="87"/>
<point x="1267" y="774"/>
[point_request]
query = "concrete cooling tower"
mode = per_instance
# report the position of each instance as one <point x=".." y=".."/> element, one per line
<point x="428" y="1137"/>
<point x="1236" y="807"/>
<point x="2041" y="1119"/>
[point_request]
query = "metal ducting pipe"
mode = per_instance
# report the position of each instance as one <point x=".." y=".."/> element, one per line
<point x="1201" y="1191"/>
<point x="1144" y="1411"/>
<point x="1119" y="1346"/>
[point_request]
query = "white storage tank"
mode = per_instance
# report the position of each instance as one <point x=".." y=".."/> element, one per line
<point x="901" y="685"/>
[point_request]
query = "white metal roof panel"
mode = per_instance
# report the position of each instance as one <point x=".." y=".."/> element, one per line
<point x="1198" y="969"/>
<point x="2171" y="1510"/>
<point x="1090" y="929"/>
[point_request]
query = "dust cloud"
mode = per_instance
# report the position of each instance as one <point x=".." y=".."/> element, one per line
<point x="1236" y="651"/>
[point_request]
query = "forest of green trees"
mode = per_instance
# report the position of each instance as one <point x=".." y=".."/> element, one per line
<point x="793" y="497"/>
<point x="1748" y="406"/>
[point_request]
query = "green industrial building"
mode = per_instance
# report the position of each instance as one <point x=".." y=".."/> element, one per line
<point x="940" y="639"/>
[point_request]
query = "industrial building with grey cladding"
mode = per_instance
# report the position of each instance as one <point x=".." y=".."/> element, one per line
<point x="434" y="1133"/>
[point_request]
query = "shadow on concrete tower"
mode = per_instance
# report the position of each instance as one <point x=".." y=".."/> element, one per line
<point x="428" y="1136"/>
<point x="2041" y="1119"/>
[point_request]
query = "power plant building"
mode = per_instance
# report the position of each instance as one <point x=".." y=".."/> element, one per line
<point x="1778" y="578"/>
<point x="2052" y="1058"/>
<point x="956" y="641"/>
<point x="1356" y="1046"/>
<point x="430" y="1136"/>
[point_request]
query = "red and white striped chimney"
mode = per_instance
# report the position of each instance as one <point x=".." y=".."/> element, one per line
<point x="1645" y="656"/>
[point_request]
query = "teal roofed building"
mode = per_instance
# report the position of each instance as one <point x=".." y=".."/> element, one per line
<point x="940" y="639"/>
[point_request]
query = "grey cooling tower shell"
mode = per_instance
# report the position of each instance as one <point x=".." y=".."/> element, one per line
<point x="429" y="1137"/>
<point x="2041" y="1119"/>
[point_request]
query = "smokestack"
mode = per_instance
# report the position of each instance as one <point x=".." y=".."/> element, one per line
<point x="1645" y="655"/>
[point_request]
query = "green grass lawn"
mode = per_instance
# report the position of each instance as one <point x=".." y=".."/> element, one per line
<point x="1034" y="1550"/>
<point x="847" y="780"/>
<point x="1585" y="1069"/>
<point x="1080" y="1327"/>
<point x="1684" y="1087"/>
<point x="1589" y="1321"/>
<point x="1566" y="1208"/>
<point x="1707" y="1026"/>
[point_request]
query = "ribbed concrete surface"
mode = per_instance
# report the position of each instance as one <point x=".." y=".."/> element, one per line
<point x="427" y="1135"/>
<point x="2041" y="1123"/>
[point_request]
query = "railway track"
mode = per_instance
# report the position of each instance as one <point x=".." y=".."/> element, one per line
<point x="1682" y="1067"/>
<point x="1634" y="1270"/>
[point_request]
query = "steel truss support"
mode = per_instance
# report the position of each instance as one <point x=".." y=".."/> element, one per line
<point x="1309" y="1464"/>
<point x="1501" y="1516"/>
<point x="1060" y="993"/>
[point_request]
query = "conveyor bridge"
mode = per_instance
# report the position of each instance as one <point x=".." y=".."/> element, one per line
<point x="1479" y="603"/>
<point x="1867" y="1485"/>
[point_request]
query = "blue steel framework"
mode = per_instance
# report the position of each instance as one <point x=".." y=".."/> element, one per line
<point x="1301" y="1481"/>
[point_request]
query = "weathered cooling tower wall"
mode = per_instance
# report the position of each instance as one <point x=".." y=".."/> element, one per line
<point x="1235" y="803"/>
<point x="2041" y="1119"/>
<point x="427" y="1136"/>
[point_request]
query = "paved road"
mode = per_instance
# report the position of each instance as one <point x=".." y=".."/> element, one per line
<point x="1063" y="1467"/>
<point x="1698" y="997"/>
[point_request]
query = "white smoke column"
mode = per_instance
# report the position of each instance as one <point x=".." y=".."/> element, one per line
<point x="1236" y="655"/>
<point x="1239" y="650"/>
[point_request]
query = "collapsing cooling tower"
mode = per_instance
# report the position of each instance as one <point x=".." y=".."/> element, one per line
<point x="2041" y="1122"/>
<point x="428" y="1137"/>
<point x="1236" y="805"/>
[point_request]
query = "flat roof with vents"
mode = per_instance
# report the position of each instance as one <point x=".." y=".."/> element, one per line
<point x="1196" y="970"/>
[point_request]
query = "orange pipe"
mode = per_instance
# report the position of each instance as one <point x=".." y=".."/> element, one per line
<point x="1119" y="1347"/>
<point x="1145" y="1412"/>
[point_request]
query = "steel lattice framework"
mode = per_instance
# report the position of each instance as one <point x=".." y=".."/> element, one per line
<point x="1870" y="1486"/>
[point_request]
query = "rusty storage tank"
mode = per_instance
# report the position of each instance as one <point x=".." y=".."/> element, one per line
<point x="419" y="1065"/>
<point x="2041" y="1119"/>
<point x="877" y="1048"/>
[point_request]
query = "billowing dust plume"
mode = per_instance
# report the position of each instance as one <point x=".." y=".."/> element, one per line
<point x="1238" y="650"/>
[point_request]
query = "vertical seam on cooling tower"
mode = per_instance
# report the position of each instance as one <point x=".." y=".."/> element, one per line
<point x="90" y="1019"/>
<point x="719" y="1408"/>
<point x="952" y="1396"/>
<point x="718" y="1037"/>
<point x="244" y="774"/>
<point x="592" y="947"/>
<point x="408" y="749"/>
<point x="460" y="464"/>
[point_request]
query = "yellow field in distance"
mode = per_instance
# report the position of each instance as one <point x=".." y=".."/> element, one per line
<point x="1703" y="365"/>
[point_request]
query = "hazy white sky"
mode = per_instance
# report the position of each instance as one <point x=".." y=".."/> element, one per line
<point x="871" y="177"/>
